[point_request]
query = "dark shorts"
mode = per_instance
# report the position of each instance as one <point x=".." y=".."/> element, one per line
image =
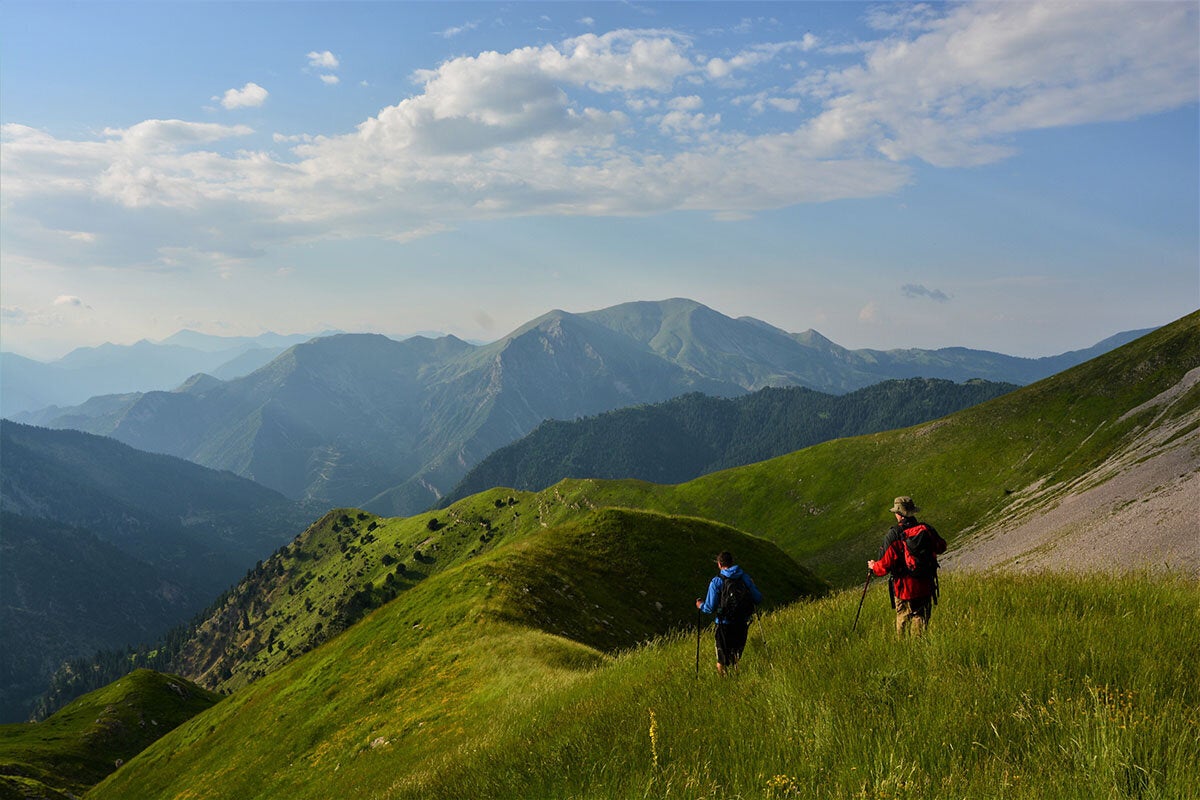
<point x="731" y="641"/>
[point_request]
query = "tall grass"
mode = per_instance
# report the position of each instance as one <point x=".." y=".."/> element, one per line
<point x="1025" y="687"/>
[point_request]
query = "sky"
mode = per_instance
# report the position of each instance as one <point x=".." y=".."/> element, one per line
<point x="1020" y="177"/>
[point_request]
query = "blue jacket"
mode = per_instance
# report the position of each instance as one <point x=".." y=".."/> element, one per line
<point x="714" y="590"/>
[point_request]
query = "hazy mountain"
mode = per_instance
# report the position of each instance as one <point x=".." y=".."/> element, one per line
<point x="367" y="421"/>
<point x="209" y="343"/>
<point x="27" y="385"/>
<point x="104" y="545"/>
<point x="691" y="435"/>
<point x="754" y="354"/>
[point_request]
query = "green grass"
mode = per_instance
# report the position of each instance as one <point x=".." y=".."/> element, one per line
<point x="1026" y="687"/>
<point x="79" y="745"/>
<point x="1090" y="693"/>
<point x="459" y="651"/>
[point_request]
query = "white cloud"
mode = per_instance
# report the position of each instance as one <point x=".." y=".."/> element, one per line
<point x="323" y="60"/>
<point x="159" y="134"/>
<point x="450" y="33"/>
<point x="870" y="313"/>
<point x="331" y="80"/>
<point x="760" y="102"/>
<point x="589" y="22"/>
<point x="689" y="103"/>
<point x="85" y="237"/>
<point x="953" y="93"/>
<point x="280" y="138"/>
<point x="249" y="96"/>
<point x="71" y="301"/>
<point x="718" y="68"/>
<point x="899" y="17"/>
<point x="681" y="122"/>
<point x="553" y="129"/>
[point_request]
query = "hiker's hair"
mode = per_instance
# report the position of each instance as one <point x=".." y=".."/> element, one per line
<point x="725" y="559"/>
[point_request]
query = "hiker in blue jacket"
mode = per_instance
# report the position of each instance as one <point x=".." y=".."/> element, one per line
<point x="732" y="597"/>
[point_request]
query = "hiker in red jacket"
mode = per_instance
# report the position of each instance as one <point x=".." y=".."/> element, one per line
<point x="910" y="556"/>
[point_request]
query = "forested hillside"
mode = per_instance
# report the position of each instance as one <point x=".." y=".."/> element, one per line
<point x="692" y="435"/>
<point x="106" y="547"/>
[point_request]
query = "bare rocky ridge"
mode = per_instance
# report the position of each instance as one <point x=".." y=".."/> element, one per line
<point x="1140" y="510"/>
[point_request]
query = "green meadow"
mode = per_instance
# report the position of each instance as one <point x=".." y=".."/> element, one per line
<point x="1026" y="687"/>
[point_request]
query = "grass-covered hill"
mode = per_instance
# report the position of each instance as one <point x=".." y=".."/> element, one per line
<point x="695" y="434"/>
<point x="441" y="696"/>
<point x="825" y="506"/>
<point x="447" y="654"/>
<point x="74" y="749"/>
<point x="350" y="562"/>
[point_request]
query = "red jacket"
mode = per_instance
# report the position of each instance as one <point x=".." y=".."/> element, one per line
<point x="907" y="587"/>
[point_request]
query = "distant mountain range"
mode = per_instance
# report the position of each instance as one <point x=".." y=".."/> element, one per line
<point x="391" y="426"/>
<point x="28" y="385"/>
<point x="695" y="434"/>
<point x="106" y="546"/>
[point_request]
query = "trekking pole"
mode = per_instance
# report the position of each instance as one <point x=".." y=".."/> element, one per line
<point x="861" y="599"/>
<point x="699" y="622"/>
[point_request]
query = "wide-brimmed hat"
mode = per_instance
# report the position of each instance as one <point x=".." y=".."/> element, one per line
<point x="905" y="506"/>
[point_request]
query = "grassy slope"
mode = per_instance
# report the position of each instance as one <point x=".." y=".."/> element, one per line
<point x="349" y="562"/>
<point x="458" y="704"/>
<point x="827" y="505"/>
<point x="465" y="650"/>
<point x="76" y="747"/>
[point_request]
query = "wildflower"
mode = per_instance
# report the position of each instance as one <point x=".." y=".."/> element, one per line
<point x="782" y="786"/>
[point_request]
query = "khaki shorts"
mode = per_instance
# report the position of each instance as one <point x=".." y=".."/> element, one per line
<point x="914" y="613"/>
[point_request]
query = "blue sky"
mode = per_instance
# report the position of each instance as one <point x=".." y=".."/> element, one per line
<point x="1019" y="177"/>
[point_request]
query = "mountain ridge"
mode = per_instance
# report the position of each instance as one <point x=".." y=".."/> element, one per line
<point x="400" y="429"/>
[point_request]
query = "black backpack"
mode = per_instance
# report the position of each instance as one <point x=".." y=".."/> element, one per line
<point x="734" y="603"/>
<point x="920" y="551"/>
